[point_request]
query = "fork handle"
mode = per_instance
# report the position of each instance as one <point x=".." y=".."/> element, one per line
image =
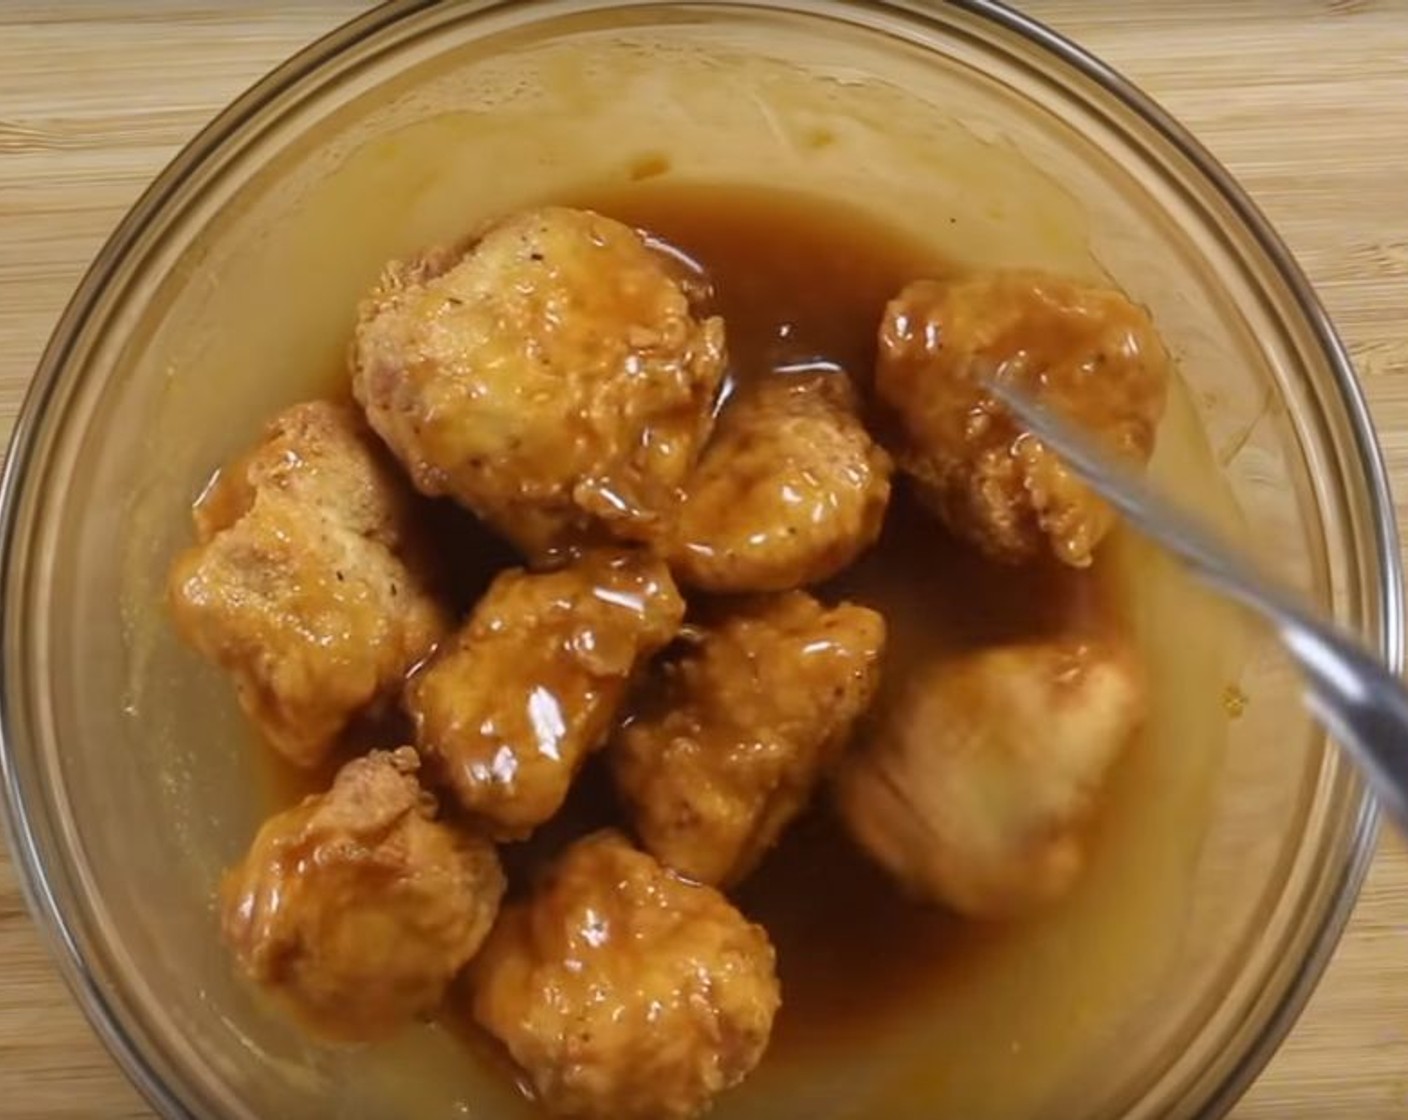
<point x="1364" y="706"/>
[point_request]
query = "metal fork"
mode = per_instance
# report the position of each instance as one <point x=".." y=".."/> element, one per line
<point x="1363" y="705"/>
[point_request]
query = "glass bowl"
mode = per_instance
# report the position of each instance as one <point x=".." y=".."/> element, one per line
<point x="228" y="291"/>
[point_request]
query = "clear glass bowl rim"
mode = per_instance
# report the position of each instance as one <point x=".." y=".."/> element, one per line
<point x="1386" y="621"/>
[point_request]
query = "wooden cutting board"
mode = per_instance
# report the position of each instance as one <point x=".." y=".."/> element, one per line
<point x="1306" y="102"/>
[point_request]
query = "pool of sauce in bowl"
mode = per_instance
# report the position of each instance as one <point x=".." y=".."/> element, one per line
<point x="802" y="284"/>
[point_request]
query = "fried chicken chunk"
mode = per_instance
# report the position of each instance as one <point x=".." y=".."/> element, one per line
<point x="623" y="992"/>
<point x="977" y="784"/>
<point x="728" y="746"/>
<point x="789" y="491"/>
<point x="554" y="378"/>
<point x="1087" y="353"/>
<point x="308" y="584"/>
<point x="531" y="684"/>
<point x="356" y="908"/>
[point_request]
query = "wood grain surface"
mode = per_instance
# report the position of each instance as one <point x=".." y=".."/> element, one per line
<point x="1307" y="103"/>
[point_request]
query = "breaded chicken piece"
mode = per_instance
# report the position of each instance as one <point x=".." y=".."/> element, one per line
<point x="623" y="992"/>
<point x="309" y="585"/>
<point x="554" y="378"/>
<point x="1087" y="353"/>
<point x="728" y="746"/>
<point x="976" y="786"/>
<point x="789" y="491"/>
<point x="356" y="908"/>
<point x="531" y="684"/>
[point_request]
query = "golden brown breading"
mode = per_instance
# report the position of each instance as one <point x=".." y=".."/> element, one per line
<point x="309" y="585"/>
<point x="728" y="747"/>
<point x="1087" y="353"/>
<point x="554" y="378"/>
<point x="789" y="491"/>
<point x="355" y="909"/>
<point x="623" y="992"/>
<point x="976" y="786"/>
<point x="511" y="707"/>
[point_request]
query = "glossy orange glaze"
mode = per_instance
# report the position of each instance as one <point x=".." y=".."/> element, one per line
<point x="624" y="992"/>
<point x="554" y="378"/>
<point x="510" y="707"/>
<point x="355" y="908"/>
<point x="1086" y="352"/>
<point x="790" y="490"/>
<point x="310" y="584"/>
<point x="730" y="741"/>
